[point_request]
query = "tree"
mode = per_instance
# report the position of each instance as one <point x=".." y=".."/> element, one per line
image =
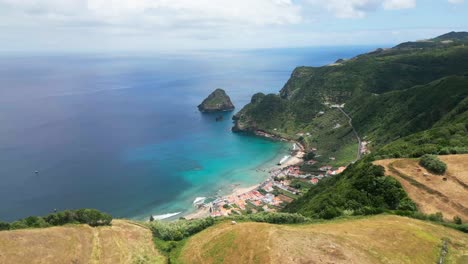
<point x="4" y="226"/>
<point x="309" y="156"/>
<point x="457" y="220"/>
<point x="433" y="164"/>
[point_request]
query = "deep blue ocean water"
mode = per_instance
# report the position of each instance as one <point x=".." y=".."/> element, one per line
<point x="122" y="133"/>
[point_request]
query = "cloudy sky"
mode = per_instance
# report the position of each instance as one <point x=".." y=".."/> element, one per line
<point x="170" y="25"/>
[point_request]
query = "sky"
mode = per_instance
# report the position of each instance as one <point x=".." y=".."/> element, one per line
<point x="173" y="25"/>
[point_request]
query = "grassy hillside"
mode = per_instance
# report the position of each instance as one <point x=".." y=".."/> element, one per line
<point x="377" y="239"/>
<point x="123" y="242"/>
<point x="389" y="94"/>
<point x="434" y="193"/>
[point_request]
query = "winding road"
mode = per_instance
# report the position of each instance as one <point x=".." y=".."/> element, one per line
<point x="350" y="121"/>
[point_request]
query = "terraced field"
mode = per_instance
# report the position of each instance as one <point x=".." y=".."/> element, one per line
<point x="432" y="193"/>
<point x="377" y="239"/>
<point x="123" y="242"/>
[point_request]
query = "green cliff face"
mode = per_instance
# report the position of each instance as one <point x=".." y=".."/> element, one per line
<point x="389" y="93"/>
<point x="216" y="101"/>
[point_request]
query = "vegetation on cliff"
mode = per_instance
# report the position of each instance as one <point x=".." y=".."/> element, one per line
<point x="218" y="100"/>
<point x="362" y="189"/>
<point x="406" y="101"/>
<point x="389" y="93"/>
<point x="91" y="217"/>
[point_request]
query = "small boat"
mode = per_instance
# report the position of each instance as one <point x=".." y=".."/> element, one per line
<point x="285" y="158"/>
<point x="199" y="201"/>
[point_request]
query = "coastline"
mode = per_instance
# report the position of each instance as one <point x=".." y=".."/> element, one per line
<point x="295" y="159"/>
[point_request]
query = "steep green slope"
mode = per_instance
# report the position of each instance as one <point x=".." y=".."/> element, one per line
<point x="389" y="94"/>
<point x="389" y="116"/>
<point x="361" y="189"/>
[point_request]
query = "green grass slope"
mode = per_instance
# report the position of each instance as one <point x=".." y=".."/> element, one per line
<point x="377" y="239"/>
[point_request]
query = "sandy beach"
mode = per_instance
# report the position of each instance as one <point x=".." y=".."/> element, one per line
<point x="203" y="212"/>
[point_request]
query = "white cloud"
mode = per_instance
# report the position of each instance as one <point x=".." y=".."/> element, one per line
<point x="359" y="8"/>
<point x="162" y="12"/>
<point x="399" y="4"/>
<point x="456" y="1"/>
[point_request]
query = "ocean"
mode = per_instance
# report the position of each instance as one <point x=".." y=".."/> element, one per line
<point x="122" y="133"/>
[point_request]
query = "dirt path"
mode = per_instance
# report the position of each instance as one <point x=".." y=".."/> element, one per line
<point x="446" y="193"/>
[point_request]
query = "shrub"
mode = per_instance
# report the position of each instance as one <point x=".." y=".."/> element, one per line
<point x="329" y="212"/>
<point x="278" y="218"/>
<point x="178" y="230"/>
<point x="35" y="222"/>
<point x="457" y="220"/>
<point x="91" y="217"/>
<point x="18" y="225"/>
<point x="437" y="217"/>
<point x="406" y="204"/>
<point x="433" y="164"/>
<point x="4" y="226"/>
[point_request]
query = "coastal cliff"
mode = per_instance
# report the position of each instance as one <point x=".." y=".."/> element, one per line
<point x="389" y="94"/>
<point x="217" y="101"/>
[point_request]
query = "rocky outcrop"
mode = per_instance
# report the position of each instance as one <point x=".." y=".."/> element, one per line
<point x="217" y="101"/>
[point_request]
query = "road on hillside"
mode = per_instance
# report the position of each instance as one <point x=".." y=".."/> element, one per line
<point x="350" y="121"/>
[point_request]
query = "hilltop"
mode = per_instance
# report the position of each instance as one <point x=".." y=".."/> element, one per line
<point x="377" y="239"/>
<point x="432" y="193"/>
<point x="217" y="101"/>
<point x="123" y="242"/>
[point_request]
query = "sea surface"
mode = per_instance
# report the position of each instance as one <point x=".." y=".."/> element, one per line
<point x="121" y="132"/>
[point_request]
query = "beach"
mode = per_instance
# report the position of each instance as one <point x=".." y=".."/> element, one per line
<point x="295" y="159"/>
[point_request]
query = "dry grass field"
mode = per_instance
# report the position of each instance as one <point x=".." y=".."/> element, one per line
<point x="432" y="193"/>
<point x="377" y="239"/>
<point x="123" y="242"/>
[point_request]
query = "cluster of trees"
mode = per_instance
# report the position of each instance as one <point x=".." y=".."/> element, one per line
<point x="362" y="189"/>
<point x="273" y="218"/>
<point x="433" y="164"/>
<point x="178" y="230"/>
<point x="182" y="228"/>
<point x="91" y="217"/>
<point x="451" y="137"/>
<point x="457" y="222"/>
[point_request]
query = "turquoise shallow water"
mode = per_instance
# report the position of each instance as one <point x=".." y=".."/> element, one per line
<point x="218" y="160"/>
<point x="121" y="132"/>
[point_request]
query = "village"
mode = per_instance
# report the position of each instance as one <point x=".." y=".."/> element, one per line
<point x="284" y="185"/>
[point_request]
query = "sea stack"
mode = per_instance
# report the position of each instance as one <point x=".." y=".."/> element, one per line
<point x="217" y="101"/>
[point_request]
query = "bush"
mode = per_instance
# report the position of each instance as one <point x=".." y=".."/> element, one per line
<point x="91" y="217"/>
<point x="457" y="220"/>
<point x="437" y="217"/>
<point x="178" y="230"/>
<point x="277" y="218"/>
<point x="4" y="226"/>
<point x="433" y="164"/>
<point x="406" y="204"/>
<point x="35" y="222"/>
